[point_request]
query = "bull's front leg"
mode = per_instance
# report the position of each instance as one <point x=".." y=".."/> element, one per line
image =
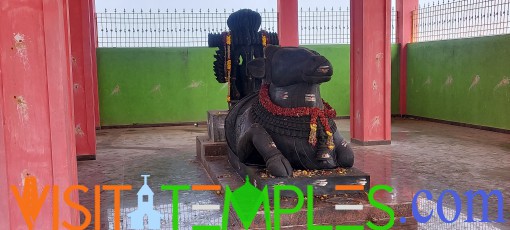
<point x="257" y="137"/>
<point x="344" y="153"/>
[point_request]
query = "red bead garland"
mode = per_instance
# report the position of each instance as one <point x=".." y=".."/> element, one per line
<point x="314" y="113"/>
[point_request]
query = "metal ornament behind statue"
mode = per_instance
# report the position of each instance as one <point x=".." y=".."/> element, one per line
<point x="237" y="47"/>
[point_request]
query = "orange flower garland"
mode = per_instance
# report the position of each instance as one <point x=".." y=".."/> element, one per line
<point x="228" y="61"/>
<point x="227" y="39"/>
<point x="314" y="113"/>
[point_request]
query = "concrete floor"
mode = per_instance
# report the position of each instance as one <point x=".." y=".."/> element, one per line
<point x="423" y="155"/>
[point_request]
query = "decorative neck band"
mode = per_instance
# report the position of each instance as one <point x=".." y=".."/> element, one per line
<point x="315" y="114"/>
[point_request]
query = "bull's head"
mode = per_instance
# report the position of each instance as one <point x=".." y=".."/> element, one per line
<point x="285" y="66"/>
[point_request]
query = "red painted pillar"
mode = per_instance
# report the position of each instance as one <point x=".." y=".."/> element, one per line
<point x="288" y="33"/>
<point x="36" y="110"/>
<point x="93" y="37"/>
<point x="405" y="10"/>
<point x="370" y="72"/>
<point x="82" y="52"/>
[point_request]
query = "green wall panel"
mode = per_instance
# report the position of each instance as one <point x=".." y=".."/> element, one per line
<point x="157" y="85"/>
<point x="463" y="80"/>
<point x="168" y="85"/>
<point x="395" y="79"/>
<point x="336" y="92"/>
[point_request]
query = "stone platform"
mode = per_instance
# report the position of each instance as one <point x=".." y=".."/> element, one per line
<point x="215" y="159"/>
<point x="324" y="181"/>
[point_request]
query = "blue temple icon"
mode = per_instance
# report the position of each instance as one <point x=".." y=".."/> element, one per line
<point x="145" y="207"/>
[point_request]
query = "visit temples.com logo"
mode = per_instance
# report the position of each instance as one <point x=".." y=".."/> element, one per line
<point x="245" y="201"/>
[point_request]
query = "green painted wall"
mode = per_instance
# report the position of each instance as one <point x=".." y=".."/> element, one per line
<point x="167" y="85"/>
<point x="464" y="80"/>
<point x="155" y="85"/>
<point x="336" y="92"/>
<point x="395" y="79"/>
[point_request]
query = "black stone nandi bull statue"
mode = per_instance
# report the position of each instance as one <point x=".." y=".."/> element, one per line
<point x="287" y="125"/>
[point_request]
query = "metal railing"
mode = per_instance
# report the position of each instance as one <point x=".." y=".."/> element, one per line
<point x="166" y="28"/>
<point x="454" y="19"/>
<point x="447" y="19"/>
<point x="173" y="28"/>
<point x="330" y="26"/>
<point x="324" y="26"/>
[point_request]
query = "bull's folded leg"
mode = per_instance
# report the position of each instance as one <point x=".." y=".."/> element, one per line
<point x="344" y="153"/>
<point x="276" y="163"/>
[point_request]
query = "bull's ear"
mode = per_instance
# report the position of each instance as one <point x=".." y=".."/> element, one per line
<point x="257" y="68"/>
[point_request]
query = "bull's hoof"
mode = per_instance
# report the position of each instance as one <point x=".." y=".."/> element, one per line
<point x="327" y="164"/>
<point x="279" y="166"/>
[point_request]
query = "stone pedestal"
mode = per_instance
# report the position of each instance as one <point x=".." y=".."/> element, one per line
<point x="324" y="181"/>
<point x="216" y="125"/>
<point x="214" y="157"/>
<point x="225" y="169"/>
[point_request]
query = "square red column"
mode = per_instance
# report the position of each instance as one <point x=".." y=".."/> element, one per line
<point x="93" y="37"/>
<point x="83" y="55"/>
<point x="36" y="110"/>
<point x="288" y="34"/>
<point x="370" y="72"/>
<point x="405" y="17"/>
